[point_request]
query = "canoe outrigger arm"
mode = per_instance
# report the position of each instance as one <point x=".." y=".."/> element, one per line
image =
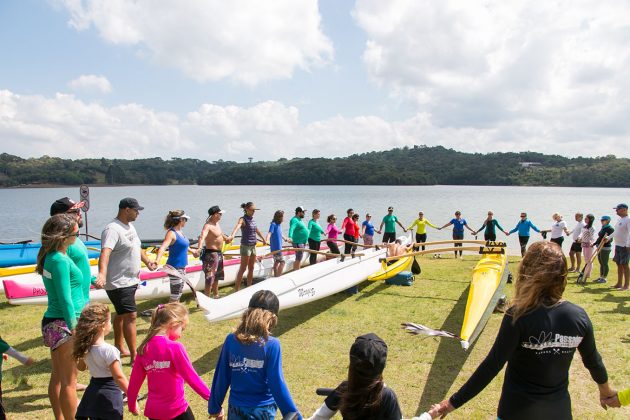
<point x="483" y="250"/>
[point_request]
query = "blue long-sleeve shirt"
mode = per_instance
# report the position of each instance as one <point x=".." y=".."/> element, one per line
<point x="254" y="374"/>
<point x="523" y="227"/>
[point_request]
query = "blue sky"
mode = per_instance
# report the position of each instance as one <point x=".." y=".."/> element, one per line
<point x="292" y="78"/>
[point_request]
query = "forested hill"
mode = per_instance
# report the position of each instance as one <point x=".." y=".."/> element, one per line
<point x="419" y="165"/>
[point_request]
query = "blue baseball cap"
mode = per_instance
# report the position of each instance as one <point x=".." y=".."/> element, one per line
<point x="606" y="218"/>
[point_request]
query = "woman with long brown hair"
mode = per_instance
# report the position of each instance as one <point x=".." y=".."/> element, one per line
<point x="538" y="338"/>
<point x="63" y="281"/>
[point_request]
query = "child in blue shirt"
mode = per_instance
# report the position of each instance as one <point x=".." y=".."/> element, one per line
<point x="250" y="365"/>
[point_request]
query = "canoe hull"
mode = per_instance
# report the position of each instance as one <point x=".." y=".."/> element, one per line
<point x="297" y="288"/>
<point x="394" y="268"/>
<point x="489" y="277"/>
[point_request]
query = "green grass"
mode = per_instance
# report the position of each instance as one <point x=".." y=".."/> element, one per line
<point x="316" y="338"/>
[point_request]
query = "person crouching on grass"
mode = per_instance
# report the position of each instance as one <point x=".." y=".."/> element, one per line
<point x="250" y="365"/>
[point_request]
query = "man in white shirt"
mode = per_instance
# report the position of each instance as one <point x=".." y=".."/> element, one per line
<point x="622" y="247"/>
<point x="575" y="254"/>
<point x="119" y="270"/>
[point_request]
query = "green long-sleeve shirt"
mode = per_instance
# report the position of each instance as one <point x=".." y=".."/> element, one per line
<point x="490" y="226"/>
<point x="78" y="253"/>
<point x="64" y="285"/>
<point x="315" y="230"/>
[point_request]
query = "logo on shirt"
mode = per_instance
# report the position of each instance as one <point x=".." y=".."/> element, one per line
<point x="550" y="341"/>
<point x="244" y="364"/>
<point x="156" y="365"/>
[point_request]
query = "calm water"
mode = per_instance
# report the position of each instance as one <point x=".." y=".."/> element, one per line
<point x="25" y="210"/>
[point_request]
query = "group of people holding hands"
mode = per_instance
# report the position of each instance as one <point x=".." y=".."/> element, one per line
<point x="538" y="354"/>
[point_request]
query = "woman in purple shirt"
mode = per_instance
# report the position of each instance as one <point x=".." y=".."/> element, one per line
<point x="249" y="230"/>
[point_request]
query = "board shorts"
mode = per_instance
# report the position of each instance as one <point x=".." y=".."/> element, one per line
<point x="123" y="299"/>
<point x="279" y="258"/>
<point x="177" y="284"/>
<point x="621" y="255"/>
<point x="55" y="332"/>
<point x="212" y="266"/>
<point x="576" y="246"/>
<point x="248" y="250"/>
<point x="457" y="236"/>
<point x="299" y="254"/>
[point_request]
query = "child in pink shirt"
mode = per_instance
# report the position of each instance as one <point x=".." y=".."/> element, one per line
<point x="165" y="362"/>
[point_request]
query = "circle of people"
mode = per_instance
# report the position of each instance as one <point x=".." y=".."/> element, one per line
<point x="250" y="363"/>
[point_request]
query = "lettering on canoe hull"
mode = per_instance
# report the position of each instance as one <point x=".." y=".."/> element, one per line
<point x="310" y="292"/>
<point x="39" y="291"/>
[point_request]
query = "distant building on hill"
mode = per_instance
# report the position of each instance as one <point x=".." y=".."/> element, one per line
<point x="529" y="164"/>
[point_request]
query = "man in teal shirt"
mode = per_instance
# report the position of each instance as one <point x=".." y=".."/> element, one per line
<point x="298" y="232"/>
<point x="77" y="252"/>
<point x="390" y="222"/>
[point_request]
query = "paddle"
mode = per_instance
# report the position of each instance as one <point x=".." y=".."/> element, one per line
<point x="419" y="329"/>
<point x="415" y="267"/>
<point x="580" y="277"/>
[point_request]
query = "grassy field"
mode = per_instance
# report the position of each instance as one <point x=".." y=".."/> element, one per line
<point x="316" y="339"/>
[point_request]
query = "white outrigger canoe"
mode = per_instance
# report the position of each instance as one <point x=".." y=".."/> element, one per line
<point x="297" y="288"/>
<point x="153" y="284"/>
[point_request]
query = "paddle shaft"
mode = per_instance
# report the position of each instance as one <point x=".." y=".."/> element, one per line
<point x="590" y="260"/>
<point x="435" y="251"/>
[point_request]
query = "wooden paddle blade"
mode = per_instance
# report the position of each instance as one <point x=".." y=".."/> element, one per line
<point x="415" y="267"/>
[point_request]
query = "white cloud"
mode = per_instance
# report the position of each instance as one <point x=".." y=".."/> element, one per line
<point x="549" y="76"/>
<point x="90" y="83"/>
<point x="64" y="126"/>
<point x="247" y="41"/>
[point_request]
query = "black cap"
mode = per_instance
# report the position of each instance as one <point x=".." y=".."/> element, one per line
<point x="265" y="299"/>
<point x="369" y="354"/>
<point x="390" y="208"/>
<point x="65" y="204"/>
<point x="299" y="209"/>
<point x="214" y="210"/>
<point x="621" y="206"/>
<point x="129" y="203"/>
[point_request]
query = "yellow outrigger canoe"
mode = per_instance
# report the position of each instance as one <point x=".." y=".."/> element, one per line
<point x="489" y="277"/>
<point x="394" y="268"/>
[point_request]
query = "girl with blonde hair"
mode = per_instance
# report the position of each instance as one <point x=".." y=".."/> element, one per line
<point x="164" y="362"/>
<point x="250" y="365"/>
<point x="537" y="339"/>
<point x="102" y="398"/>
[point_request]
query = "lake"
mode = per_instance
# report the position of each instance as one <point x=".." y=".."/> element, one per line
<point x="26" y="209"/>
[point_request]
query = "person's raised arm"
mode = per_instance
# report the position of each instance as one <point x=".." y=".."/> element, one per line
<point x="401" y="225"/>
<point x="169" y="238"/>
<point x="504" y="346"/>
<point x="469" y="228"/>
<point x="220" y="382"/>
<point x="533" y="226"/>
<point x="119" y="377"/>
<point x="446" y="225"/>
<point x="138" y="374"/>
<point x="277" y="383"/>
<point x="239" y="223"/>
<point x="187" y="371"/>
<point x="431" y="224"/>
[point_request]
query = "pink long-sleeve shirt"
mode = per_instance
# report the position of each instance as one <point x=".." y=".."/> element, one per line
<point x="167" y="366"/>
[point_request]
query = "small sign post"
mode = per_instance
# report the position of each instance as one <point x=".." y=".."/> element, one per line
<point x="84" y="192"/>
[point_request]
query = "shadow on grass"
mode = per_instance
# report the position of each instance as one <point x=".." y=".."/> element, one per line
<point x="620" y="300"/>
<point x="378" y="288"/>
<point x="287" y="320"/>
<point x="23" y="404"/>
<point x="449" y="359"/>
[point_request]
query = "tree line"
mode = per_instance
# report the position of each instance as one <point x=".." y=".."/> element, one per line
<point x="418" y="165"/>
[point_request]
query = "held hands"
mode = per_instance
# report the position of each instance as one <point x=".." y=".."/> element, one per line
<point x="152" y="265"/>
<point x="441" y="410"/>
<point x="610" y="401"/>
<point x="100" y="281"/>
<point x="217" y="416"/>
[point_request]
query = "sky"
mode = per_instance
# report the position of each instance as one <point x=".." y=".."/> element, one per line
<point x="230" y="80"/>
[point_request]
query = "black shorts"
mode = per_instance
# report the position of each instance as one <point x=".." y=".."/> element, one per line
<point x="576" y="246"/>
<point x="389" y="237"/>
<point x="124" y="299"/>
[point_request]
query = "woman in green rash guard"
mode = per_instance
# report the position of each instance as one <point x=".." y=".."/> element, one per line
<point x="63" y="281"/>
<point x="489" y="227"/>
